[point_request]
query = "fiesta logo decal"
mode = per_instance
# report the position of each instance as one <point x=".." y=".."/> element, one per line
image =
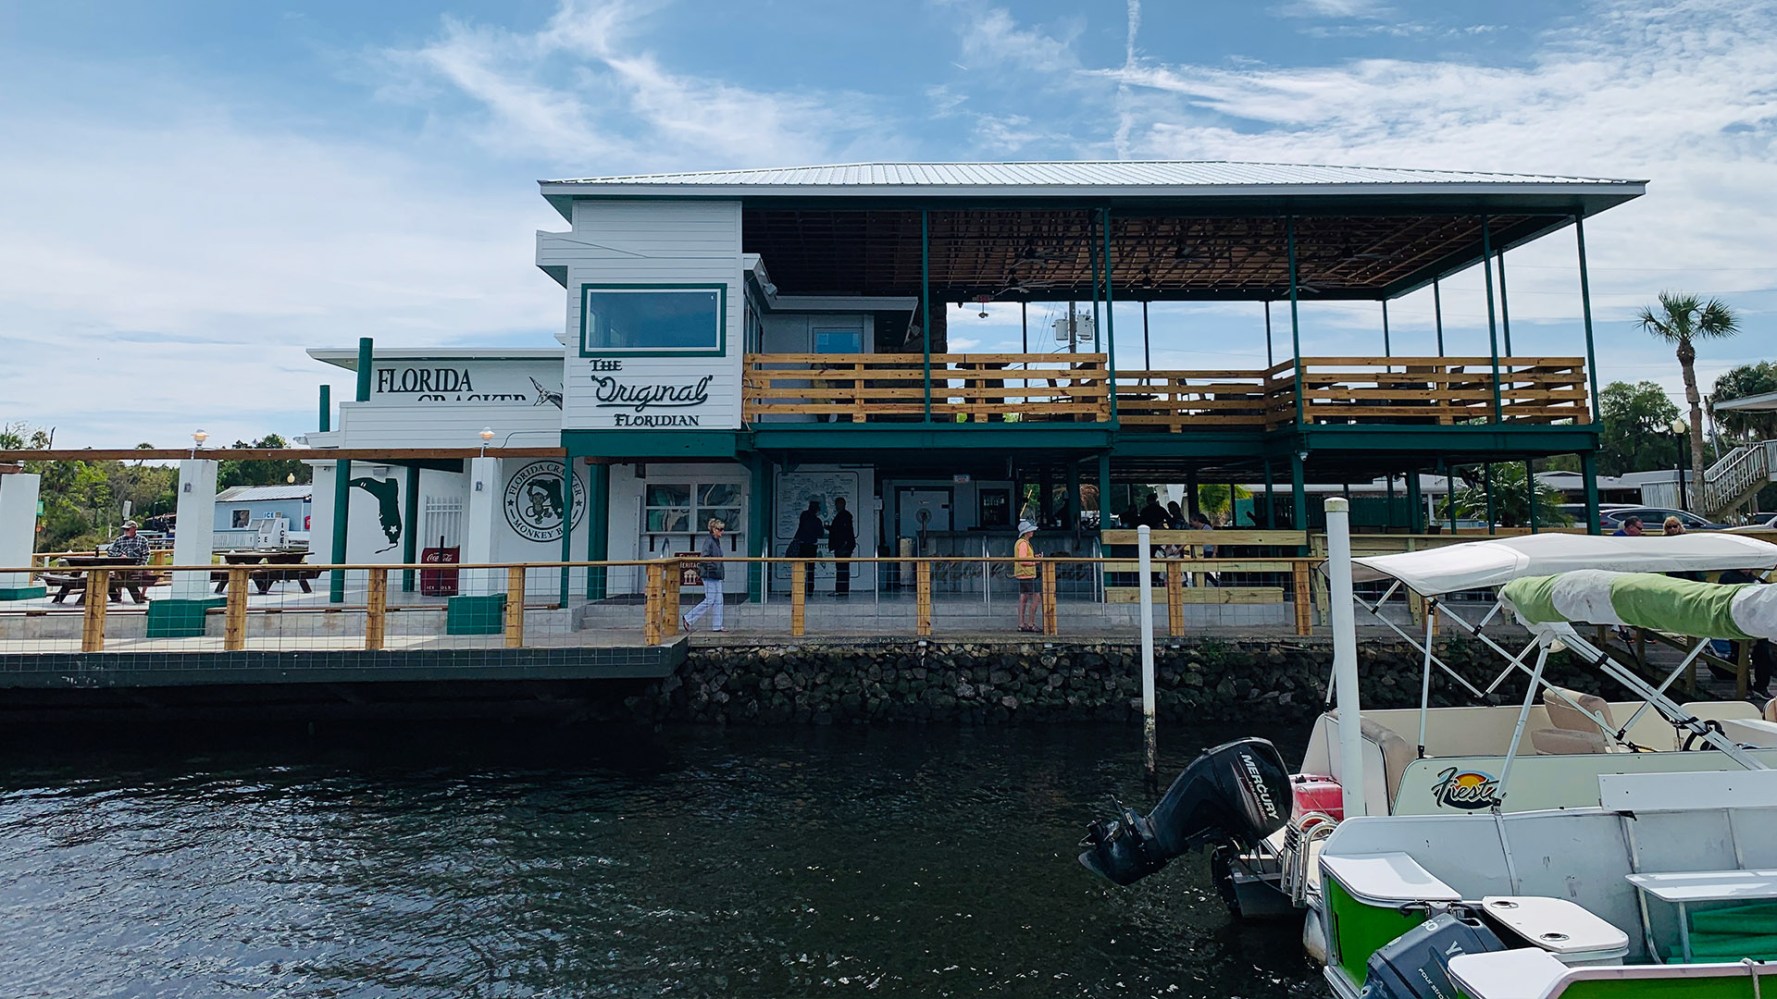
<point x="1468" y="790"/>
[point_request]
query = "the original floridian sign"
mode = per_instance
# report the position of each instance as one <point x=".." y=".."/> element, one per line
<point x="635" y="394"/>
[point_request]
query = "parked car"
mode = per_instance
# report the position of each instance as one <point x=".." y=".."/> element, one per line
<point x="1653" y="516"/>
<point x="1576" y="512"/>
<point x="1762" y="521"/>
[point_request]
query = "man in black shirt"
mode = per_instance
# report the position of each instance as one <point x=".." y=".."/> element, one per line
<point x="842" y="541"/>
<point x="806" y="543"/>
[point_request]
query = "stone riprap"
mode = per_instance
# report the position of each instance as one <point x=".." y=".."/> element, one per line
<point x="1036" y="682"/>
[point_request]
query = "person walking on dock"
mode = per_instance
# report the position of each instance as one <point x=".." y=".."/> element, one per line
<point x="807" y="541"/>
<point x="842" y="541"/>
<point x="711" y="571"/>
<point x="1024" y="569"/>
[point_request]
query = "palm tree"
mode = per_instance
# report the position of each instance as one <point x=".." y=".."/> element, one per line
<point x="1680" y="320"/>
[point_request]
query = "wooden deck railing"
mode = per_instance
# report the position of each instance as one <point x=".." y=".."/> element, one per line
<point x="1439" y="390"/>
<point x="979" y="388"/>
<point x="1029" y="388"/>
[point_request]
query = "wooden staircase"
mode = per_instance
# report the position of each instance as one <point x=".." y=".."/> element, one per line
<point x="1735" y="479"/>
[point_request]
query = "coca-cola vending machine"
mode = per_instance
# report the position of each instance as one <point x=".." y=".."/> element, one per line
<point x="439" y="582"/>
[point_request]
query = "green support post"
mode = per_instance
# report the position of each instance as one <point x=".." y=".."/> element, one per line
<point x="366" y="360"/>
<point x="1191" y="493"/>
<point x="1579" y="232"/>
<point x="758" y="525"/>
<point x="925" y="299"/>
<point x="1450" y="495"/>
<point x="1110" y="319"/>
<point x="1589" y="473"/>
<point x="1492" y="328"/>
<point x="1298" y="493"/>
<point x="1295" y="330"/>
<point x="342" y="508"/>
<point x="1415" y="503"/>
<point x="1386" y="351"/>
<point x="1270" y="359"/>
<point x="1505" y="311"/>
<point x="1388" y="518"/>
<point x="565" y="583"/>
<point x="1437" y="314"/>
<point x="326" y="422"/>
<point x="1104" y="504"/>
<point x="410" y="539"/>
<point x="598" y="531"/>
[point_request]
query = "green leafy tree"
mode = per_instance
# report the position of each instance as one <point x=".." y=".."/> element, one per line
<point x="1511" y="500"/>
<point x="262" y="473"/>
<point x="1738" y="383"/>
<point x="1637" y="434"/>
<point x="1681" y="320"/>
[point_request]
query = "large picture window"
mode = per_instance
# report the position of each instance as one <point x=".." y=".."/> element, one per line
<point x="685" y="508"/>
<point x="652" y="319"/>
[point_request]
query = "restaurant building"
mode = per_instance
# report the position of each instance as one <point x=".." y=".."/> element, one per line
<point x="736" y="344"/>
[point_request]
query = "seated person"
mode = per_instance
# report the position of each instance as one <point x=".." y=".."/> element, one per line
<point x="1631" y="528"/>
<point x="129" y="546"/>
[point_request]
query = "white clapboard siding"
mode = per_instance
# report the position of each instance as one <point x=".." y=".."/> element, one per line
<point x="448" y="425"/>
<point x="651" y="242"/>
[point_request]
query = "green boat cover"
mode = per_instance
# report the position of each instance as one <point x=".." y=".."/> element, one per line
<point x="1644" y="600"/>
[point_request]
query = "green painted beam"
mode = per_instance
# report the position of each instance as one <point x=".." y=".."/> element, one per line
<point x="342" y="508"/>
<point x="598" y="535"/>
<point x="1492" y="328"/>
<point x="1579" y="235"/>
<point x="925" y="301"/>
<point x="655" y="445"/>
<point x="366" y="361"/>
<point x="1589" y="475"/>
<point x="326" y="422"/>
<point x="564" y="583"/>
<point x="410" y="538"/>
<point x="758" y="523"/>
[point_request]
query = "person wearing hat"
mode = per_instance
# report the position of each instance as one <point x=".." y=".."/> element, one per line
<point x="129" y="546"/>
<point x="1024" y="569"/>
<point x="711" y="571"/>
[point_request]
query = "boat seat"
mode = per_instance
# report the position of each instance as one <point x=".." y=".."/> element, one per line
<point x="1564" y="715"/>
<point x="1771" y="710"/>
<point x="1396" y="755"/>
<point x="1573" y="732"/>
<point x="1567" y="742"/>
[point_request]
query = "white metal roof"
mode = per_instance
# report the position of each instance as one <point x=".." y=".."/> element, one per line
<point x="260" y="494"/>
<point x="347" y="357"/>
<point x="1102" y="176"/>
<point x="1497" y="561"/>
<point x="1762" y="401"/>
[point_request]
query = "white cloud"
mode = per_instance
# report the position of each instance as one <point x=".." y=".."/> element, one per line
<point x="583" y="90"/>
<point x="1333" y="8"/>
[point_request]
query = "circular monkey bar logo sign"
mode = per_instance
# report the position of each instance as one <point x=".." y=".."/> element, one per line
<point x="534" y="501"/>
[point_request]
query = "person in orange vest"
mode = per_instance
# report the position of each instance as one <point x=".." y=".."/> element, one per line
<point x="1024" y="569"/>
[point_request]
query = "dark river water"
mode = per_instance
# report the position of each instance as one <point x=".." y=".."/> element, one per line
<point x="469" y="861"/>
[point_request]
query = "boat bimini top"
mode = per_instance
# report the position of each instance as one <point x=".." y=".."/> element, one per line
<point x="1550" y="582"/>
<point x="1497" y="561"/>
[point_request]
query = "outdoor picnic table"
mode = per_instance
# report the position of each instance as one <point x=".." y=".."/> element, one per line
<point x="134" y="580"/>
<point x="274" y="568"/>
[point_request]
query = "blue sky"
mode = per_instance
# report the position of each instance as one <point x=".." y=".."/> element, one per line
<point x="195" y="192"/>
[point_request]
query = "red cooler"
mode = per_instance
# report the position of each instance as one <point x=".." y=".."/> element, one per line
<point x="1316" y="793"/>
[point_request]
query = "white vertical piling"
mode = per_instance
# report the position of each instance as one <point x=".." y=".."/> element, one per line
<point x="1344" y="618"/>
<point x="1150" y="736"/>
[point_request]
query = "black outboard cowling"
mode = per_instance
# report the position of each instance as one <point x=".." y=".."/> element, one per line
<point x="1237" y="793"/>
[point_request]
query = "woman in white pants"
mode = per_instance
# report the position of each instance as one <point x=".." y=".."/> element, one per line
<point x="712" y="581"/>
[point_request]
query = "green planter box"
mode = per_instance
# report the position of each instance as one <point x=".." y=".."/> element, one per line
<point x="485" y="615"/>
<point x="179" y="618"/>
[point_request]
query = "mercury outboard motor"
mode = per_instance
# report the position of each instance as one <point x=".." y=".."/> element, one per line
<point x="1236" y="794"/>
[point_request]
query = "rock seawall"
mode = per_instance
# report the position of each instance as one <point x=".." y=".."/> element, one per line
<point x="1034" y="682"/>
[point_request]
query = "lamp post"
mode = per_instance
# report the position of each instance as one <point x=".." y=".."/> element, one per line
<point x="1682" y="430"/>
<point x="487" y="435"/>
